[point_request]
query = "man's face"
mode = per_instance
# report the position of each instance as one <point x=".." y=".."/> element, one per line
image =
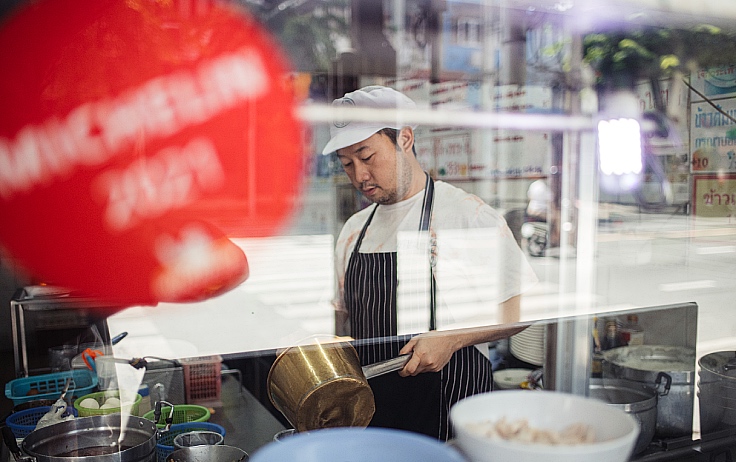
<point x="377" y="168"/>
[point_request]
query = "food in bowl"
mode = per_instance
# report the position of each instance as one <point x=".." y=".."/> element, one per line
<point x="615" y="431"/>
<point x="520" y="430"/>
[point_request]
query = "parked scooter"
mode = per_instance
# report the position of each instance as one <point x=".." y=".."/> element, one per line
<point x="536" y="237"/>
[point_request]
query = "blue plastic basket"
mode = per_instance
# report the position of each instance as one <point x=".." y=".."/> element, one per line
<point x="50" y="386"/>
<point x="24" y="422"/>
<point x="165" y="443"/>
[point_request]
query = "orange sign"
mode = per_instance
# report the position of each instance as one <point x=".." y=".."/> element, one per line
<point x="136" y="138"/>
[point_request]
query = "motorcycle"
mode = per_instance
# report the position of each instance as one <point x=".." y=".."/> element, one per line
<point x="535" y="235"/>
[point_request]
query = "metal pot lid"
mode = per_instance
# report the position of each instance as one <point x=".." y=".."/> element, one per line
<point x="653" y="358"/>
<point x="721" y="363"/>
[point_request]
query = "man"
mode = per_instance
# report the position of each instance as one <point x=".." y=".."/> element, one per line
<point x="444" y="367"/>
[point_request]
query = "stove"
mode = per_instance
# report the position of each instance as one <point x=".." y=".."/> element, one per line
<point x="717" y="446"/>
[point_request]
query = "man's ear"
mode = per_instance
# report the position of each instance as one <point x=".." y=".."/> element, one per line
<point x="405" y="140"/>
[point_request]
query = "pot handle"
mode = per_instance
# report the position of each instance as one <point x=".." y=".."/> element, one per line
<point x="12" y="445"/>
<point x="667" y="385"/>
<point x="384" y="367"/>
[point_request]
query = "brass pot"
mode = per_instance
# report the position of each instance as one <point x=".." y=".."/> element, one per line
<point x="322" y="385"/>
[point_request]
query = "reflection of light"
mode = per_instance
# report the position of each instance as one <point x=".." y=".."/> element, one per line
<point x="716" y="250"/>
<point x="619" y="144"/>
<point x="690" y="285"/>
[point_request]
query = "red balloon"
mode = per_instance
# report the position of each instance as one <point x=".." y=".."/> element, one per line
<point x="136" y="137"/>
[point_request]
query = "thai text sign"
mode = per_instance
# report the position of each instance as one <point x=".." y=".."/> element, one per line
<point x="714" y="195"/>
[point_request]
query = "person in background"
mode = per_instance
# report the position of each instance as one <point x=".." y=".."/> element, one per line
<point x="380" y="161"/>
<point x="539" y="196"/>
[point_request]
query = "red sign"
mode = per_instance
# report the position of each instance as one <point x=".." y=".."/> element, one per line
<point x="136" y="136"/>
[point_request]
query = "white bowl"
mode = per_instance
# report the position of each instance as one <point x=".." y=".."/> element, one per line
<point x="615" y="430"/>
<point x="510" y="379"/>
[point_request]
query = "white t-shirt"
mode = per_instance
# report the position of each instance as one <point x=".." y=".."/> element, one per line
<point x="478" y="262"/>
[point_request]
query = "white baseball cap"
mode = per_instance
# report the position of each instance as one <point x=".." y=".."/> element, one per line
<point x="344" y="134"/>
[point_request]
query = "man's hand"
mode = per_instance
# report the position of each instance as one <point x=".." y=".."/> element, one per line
<point x="432" y="351"/>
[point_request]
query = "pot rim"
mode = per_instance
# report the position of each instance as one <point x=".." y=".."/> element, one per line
<point x="641" y="390"/>
<point x="47" y="435"/>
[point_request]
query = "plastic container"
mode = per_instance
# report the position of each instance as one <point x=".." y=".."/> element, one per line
<point x="22" y="423"/>
<point x="50" y="386"/>
<point x="101" y="397"/>
<point x="107" y="375"/>
<point x="202" y="380"/>
<point x="183" y="413"/>
<point x="631" y="332"/>
<point x="165" y="444"/>
<point x="145" y="405"/>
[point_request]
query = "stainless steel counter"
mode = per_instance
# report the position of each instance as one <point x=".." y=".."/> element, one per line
<point x="248" y="424"/>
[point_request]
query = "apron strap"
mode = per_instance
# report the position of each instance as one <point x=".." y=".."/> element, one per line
<point x="424" y="226"/>
<point x="424" y="222"/>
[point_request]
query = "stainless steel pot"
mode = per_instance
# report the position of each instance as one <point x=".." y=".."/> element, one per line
<point x="208" y="454"/>
<point x="717" y="390"/>
<point x="637" y="399"/>
<point x="90" y="439"/>
<point x="668" y="369"/>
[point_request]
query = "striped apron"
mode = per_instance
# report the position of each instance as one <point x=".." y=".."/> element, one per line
<point x="422" y="403"/>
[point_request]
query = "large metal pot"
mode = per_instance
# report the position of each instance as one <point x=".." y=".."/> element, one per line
<point x="322" y="385"/>
<point x="90" y="439"/>
<point x="717" y="390"/>
<point x="668" y="369"/>
<point x="637" y="399"/>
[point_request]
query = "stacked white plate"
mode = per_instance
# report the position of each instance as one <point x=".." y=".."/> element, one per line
<point x="528" y="345"/>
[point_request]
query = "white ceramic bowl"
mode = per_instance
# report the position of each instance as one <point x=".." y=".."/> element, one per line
<point x="615" y="431"/>
<point x="510" y="379"/>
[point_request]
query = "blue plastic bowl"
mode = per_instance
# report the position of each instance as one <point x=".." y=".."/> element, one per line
<point x="357" y="445"/>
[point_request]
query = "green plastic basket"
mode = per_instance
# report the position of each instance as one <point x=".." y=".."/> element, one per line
<point x="183" y="413"/>
<point x="100" y="397"/>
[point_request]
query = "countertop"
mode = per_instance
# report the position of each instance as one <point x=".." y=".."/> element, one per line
<point x="248" y="424"/>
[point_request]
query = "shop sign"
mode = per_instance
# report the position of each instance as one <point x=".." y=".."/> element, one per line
<point x="453" y="154"/>
<point x="136" y="138"/>
<point x="714" y="195"/>
<point x="714" y="83"/>
<point x="713" y="137"/>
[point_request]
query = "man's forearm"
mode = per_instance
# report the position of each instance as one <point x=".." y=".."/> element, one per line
<point x="510" y="314"/>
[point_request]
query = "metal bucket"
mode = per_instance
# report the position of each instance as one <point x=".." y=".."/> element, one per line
<point x="637" y="399"/>
<point x="92" y="439"/>
<point x="668" y="369"/>
<point x="198" y="438"/>
<point x="208" y="454"/>
<point x="321" y="385"/>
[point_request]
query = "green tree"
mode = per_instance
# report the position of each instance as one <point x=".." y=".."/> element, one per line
<point x="624" y="57"/>
<point x="306" y="29"/>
